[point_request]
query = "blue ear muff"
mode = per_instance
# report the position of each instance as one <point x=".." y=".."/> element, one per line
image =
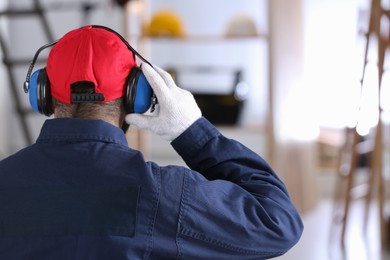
<point x="40" y="94"/>
<point x="139" y="94"/>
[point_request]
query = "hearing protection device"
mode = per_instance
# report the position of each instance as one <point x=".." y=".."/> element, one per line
<point x="138" y="97"/>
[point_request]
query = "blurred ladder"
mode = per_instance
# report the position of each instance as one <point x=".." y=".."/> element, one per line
<point x="11" y="63"/>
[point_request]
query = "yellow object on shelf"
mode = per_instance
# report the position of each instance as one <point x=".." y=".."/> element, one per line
<point x="165" y="23"/>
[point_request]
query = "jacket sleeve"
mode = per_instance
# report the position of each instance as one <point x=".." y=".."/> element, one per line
<point x="237" y="207"/>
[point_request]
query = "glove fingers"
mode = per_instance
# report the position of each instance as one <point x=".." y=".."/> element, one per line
<point x="165" y="76"/>
<point x="138" y="120"/>
<point x="155" y="80"/>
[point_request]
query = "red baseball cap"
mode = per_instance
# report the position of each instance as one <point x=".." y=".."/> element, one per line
<point x="92" y="54"/>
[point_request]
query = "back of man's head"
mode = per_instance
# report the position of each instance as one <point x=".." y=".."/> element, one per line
<point x="112" y="112"/>
<point x="87" y="64"/>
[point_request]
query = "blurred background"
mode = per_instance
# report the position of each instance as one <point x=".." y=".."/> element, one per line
<point x="302" y="82"/>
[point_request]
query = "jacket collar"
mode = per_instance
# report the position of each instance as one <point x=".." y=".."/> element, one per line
<point x="74" y="129"/>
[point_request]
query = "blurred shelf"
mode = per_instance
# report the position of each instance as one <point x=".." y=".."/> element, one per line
<point x="202" y="38"/>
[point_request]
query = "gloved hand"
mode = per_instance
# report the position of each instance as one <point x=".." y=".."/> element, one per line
<point x="177" y="107"/>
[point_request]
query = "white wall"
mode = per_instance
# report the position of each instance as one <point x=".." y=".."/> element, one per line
<point x="333" y="59"/>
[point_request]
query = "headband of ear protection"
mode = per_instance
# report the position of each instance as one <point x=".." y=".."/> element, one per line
<point x="138" y="97"/>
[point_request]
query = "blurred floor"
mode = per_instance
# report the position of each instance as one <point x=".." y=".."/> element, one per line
<point x="320" y="243"/>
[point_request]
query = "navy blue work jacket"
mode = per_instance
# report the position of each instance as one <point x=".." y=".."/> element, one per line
<point x="80" y="192"/>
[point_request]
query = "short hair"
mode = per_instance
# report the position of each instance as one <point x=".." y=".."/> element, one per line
<point x="112" y="111"/>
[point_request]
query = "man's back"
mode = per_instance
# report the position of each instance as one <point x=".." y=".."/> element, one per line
<point x="81" y="193"/>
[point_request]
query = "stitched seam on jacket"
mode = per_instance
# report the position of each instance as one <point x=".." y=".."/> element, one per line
<point x="199" y="236"/>
<point x="153" y="214"/>
<point x="183" y="206"/>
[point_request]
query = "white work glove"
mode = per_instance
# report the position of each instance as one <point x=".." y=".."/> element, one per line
<point x="177" y="107"/>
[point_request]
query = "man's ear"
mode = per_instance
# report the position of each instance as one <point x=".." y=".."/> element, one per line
<point x="125" y="126"/>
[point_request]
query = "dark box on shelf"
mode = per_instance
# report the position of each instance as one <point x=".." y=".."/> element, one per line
<point x="218" y="108"/>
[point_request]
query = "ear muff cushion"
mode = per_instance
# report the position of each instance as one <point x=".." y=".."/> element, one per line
<point x="33" y="90"/>
<point x="138" y="97"/>
<point x="44" y="97"/>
